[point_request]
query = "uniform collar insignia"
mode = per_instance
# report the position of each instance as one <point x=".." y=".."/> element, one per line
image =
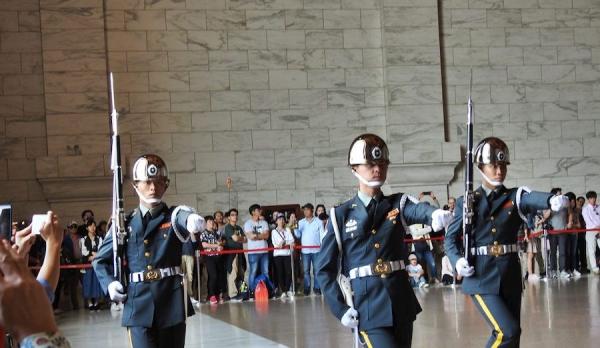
<point x="392" y="214"/>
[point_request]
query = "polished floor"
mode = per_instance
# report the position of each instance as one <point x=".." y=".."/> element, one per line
<point x="557" y="313"/>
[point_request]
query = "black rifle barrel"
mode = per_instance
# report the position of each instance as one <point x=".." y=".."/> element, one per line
<point x="468" y="197"/>
<point x="118" y="213"/>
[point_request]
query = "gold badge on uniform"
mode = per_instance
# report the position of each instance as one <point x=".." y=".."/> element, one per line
<point x="392" y="214"/>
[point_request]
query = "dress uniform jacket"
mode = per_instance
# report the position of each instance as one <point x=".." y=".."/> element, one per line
<point x="498" y="221"/>
<point x="156" y="303"/>
<point x="381" y="301"/>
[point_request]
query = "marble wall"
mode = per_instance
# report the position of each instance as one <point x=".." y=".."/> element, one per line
<point x="536" y="84"/>
<point x="270" y="93"/>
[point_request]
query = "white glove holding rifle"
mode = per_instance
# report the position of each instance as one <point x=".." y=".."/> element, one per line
<point x="463" y="268"/>
<point x="116" y="292"/>
<point x="350" y="318"/>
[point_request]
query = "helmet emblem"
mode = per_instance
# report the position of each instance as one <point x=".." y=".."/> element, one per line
<point x="152" y="170"/>
<point x="501" y="156"/>
<point x="376" y="153"/>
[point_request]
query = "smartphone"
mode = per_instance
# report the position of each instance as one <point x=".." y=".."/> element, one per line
<point x="5" y="221"/>
<point x="37" y="222"/>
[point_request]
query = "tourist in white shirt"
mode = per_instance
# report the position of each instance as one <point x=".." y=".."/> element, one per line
<point x="309" y="232"/>
<point x="257" y="231"/>
<point x="591" y="215"/>
<point x="282" y="237"/>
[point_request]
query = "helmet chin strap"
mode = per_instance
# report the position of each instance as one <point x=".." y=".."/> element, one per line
<point x="365" y="181"/>
<point x="489" y="181"/>
<point x="149" y="201"/>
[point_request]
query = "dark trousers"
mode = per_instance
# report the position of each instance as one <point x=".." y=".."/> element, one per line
<point x="283" y="270"/>
<point x="572" y="251"/>
<point x="68" y="283"/>
<point x="581" y="264"/>
<point x="558" y="243"/>
<point x="149" y="337"/>
<point x="392" y="337"/>
<point x="216" y="275"/>
<point x="563" y="251"/>
<point x="503" y="313"/>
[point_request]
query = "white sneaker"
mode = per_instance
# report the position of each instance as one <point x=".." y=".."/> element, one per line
<point x="564" y="275"/>
<point x="596" y="271"/>
<point x="115" y="307"/>
<point x="290" y="294"/>
<point x="533" y="277"/>
<point x="576" y="273"/>
<point x="283" y="296"/>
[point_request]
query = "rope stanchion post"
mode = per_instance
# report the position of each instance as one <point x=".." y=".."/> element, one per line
<point x="545" y="248"/>
<point x="197" y="254"/>
<point x="292" y="263"/>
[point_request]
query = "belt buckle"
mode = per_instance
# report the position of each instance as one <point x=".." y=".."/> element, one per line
<point x="496" y="249"/>
<point x="152" y="275"/>
<point x="381" y="268"/>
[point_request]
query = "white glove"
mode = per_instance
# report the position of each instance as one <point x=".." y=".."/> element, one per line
<point x="463" y="269"/>
<point x="195" y="223"/>
<point x="350" y="318"/>
<point x="440" y="219"/>
<point x="116" y="292"/>
<point x="559" y="202"/>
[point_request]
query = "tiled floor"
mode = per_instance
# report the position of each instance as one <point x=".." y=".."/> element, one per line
<point x="554" y="314"/>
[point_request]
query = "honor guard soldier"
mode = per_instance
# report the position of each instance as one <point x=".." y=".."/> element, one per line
<point x="361" y="265"/>
<point x="156" y="304"/>
<point x="492" y="274"/>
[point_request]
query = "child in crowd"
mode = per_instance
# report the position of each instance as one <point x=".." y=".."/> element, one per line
<point x="415" y="273"/>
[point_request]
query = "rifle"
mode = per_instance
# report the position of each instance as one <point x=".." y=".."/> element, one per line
<point x="118" y="215"/>
<point x="469" y="195"/>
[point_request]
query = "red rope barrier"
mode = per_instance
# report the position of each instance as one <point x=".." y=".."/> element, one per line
<point x="300" y="247"/>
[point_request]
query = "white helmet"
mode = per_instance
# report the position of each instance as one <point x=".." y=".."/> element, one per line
<point x="150" y="167"/>
<point x="491" y="150"/>
<point x="368" y="149"/>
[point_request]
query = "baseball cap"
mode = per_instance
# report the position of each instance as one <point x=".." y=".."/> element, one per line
<point x="72" y="224"/>
<point x="280" y="215"/>
<point x="412" y="257"/>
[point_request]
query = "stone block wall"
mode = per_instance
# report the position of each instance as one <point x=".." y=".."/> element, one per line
<point x="536" y="84"/>
<point x="270" y="93"/>
<point x="22" y="108"/>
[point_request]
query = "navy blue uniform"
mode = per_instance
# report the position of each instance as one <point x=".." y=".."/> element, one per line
<point x="386" y="304"/>
<point x="154" y="311"/>
<point x="496" y="285"/>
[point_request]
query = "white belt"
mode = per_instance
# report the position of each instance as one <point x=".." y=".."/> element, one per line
<point x="154" y="274"/>
<point x="495" y="249"/>
<point x="377" y="269"/>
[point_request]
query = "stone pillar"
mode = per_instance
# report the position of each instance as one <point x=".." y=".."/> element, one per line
<point x="22" y="122"/>
<point x="75" y="172"/>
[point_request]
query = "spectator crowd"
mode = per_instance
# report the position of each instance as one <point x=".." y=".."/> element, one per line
<point x="231" y="257"/>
